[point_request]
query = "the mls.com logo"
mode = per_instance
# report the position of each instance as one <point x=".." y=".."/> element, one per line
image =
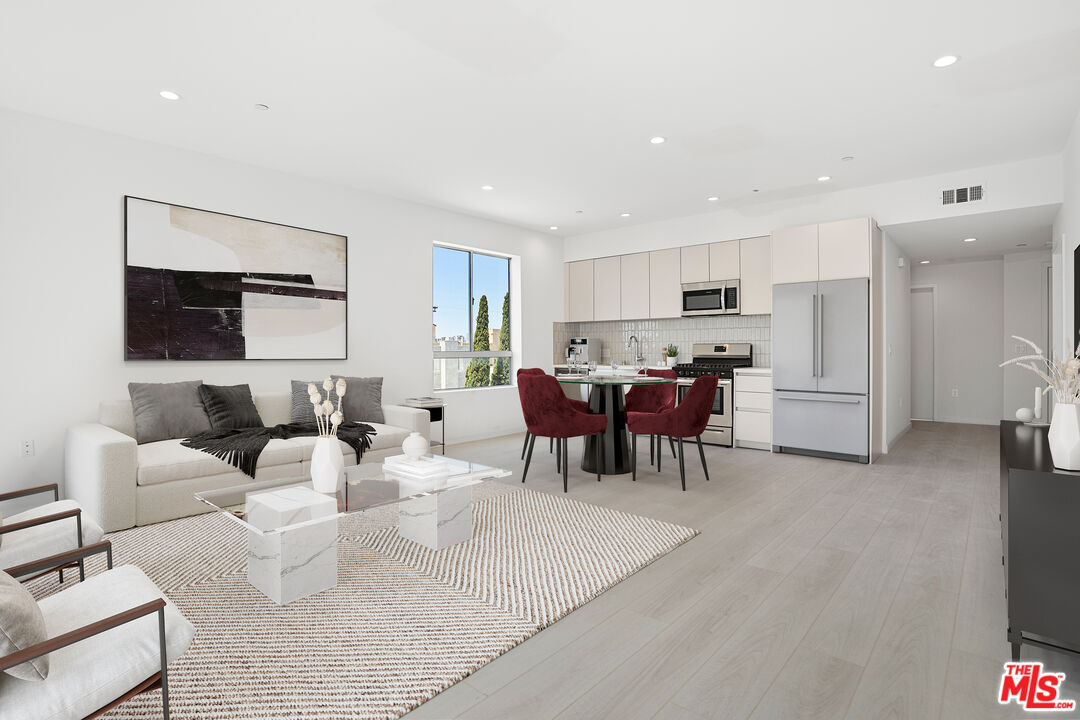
<point x="1031" y="689"/>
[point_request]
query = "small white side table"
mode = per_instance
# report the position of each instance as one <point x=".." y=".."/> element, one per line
<point x="289" y="564"/>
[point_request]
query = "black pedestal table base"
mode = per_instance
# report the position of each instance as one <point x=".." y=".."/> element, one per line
<point x="610" y="400"/>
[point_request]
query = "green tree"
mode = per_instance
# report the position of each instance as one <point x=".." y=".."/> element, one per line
<point x="501" y="376"/>
<point x="478" y="374"/>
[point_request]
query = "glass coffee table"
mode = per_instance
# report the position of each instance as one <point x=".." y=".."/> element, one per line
<point x="292" y="529"/>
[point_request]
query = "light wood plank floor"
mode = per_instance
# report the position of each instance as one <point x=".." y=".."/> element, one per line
<point x="817" y="589"/>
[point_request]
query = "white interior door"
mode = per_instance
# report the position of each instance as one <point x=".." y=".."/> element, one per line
<point x="922" y="353"/>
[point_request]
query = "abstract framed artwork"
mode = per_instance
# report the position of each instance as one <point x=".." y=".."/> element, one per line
<point x="203" y="285"/>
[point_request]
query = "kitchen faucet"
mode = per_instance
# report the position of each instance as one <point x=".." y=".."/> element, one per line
<point x="638" y="357"/>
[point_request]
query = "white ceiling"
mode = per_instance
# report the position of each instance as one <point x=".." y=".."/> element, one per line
<point x="995" y="233"/>
<point x="554" y="102"/>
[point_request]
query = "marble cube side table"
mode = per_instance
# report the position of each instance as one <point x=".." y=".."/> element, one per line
<point x="295" y="562"/>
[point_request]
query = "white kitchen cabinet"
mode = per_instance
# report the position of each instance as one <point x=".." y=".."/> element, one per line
<point x="581" y="291"/>
<point x="844" y="249"/>
<point x="795" y="255"/>
<point x="724" y="261"/>
<point x="694" y="260"/>
<point x="634" y="303"/>
<point x="753" y="409"/>
<point x="607" y="290"/>
<point x="755" y="276"/>
<point x="665" y="284"/>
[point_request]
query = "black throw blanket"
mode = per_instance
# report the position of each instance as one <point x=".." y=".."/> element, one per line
<point x="241" y="447"/>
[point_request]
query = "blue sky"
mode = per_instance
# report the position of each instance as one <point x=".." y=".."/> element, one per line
<point x="450" y="289"/>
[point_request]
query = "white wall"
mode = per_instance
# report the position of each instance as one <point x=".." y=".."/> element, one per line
<point x="897" y="282"/>
<point x="1021" y="184"/>
<point x="1026" y="315"/>
<point x="61" y="212"/>
<point x="969" y="327"/>
<point x="1066" y="239"/>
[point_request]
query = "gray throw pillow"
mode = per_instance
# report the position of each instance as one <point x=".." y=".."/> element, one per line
<point x="21" y="625"/>
<point x="167" y="411"/>
<point x="363" y="400"/>
<point x="301" y="410"/>
<point x="229" y="406"/>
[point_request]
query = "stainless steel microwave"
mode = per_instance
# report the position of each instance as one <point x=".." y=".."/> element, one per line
<point x="710" y="298"/>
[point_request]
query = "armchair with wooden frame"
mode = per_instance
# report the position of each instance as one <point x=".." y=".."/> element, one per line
<point x="45" y="530"/>
<point x="98" y="646"/>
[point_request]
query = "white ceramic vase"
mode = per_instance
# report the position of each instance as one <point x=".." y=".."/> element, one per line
<point x="672" y="361"/>
<point x="415" y="446"/>
<point x="1064" y="436"/>
<point x="327" y="465"/>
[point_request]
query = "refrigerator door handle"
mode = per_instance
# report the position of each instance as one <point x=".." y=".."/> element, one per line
<point x="821" y="336"/>
<point x="852" y="400"/>
<point x="813" y="348"/>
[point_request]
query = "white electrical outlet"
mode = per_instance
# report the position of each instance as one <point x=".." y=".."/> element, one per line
<point x="955" y="393"/>
<point x="27" y="448"/>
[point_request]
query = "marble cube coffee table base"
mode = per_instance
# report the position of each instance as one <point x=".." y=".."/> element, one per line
<point x="298" y="561"/>
<point x="437" y="521"/>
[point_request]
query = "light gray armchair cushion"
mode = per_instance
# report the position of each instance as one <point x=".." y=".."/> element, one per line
<point x="21" y="625"/>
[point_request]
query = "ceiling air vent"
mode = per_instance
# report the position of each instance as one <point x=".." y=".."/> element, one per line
<point x="954" y="196"/>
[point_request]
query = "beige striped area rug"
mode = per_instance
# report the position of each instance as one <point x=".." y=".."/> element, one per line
<point x="403" y="623"/>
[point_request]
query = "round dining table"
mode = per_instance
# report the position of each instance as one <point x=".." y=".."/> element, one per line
<point x="606" y="397"/>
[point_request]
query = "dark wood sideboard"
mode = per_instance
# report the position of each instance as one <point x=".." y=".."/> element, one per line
<point x="1040" y="539"/>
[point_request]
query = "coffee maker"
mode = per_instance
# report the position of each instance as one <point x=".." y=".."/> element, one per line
<point x="582" y="351"/>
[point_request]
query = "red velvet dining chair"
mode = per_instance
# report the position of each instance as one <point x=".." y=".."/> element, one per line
<point x="686" y="420"/>
<point x="654" y="399"/>
<point x="579" y="404"/>
<point x="549" y="413"/>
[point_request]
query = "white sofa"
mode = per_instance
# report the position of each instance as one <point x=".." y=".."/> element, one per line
<point x="124" y="484"/>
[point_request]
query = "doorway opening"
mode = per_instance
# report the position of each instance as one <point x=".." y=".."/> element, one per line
<point x="923" y="351"/>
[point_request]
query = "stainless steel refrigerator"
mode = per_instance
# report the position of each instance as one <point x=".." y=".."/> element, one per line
<point x="821" y="368"/>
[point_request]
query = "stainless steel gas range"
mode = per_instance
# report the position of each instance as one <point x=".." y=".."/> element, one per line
<point x="718" y="359"/>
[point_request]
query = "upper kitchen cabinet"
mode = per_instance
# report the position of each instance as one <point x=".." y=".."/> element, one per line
<point x="755" y="275"/>
<point x="607" y="291"/>
<point x="795" y="254"/>
<point x="580" y="282"/>
<point x="828" y="251"/>
<point x="635" y="286"/>
<point x="695" y="264"/>
<point x="844" y="249"/>
<point x="723" y="261"/>
<point x="665" y="283"/>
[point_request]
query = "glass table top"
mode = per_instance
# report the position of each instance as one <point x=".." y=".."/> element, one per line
<point x="613" y="379"/>
<point x="366" y="486"/>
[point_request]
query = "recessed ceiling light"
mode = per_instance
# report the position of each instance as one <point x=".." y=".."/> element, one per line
<point x="824" y="178"/>
<point x="712" y="198"/>
<point x="262" y="106"/>
<point x="756" y="190"/>
<point x="169" y="95"/>
<point x="945" y="61"/>
<point x="624" y="214"/>
<point x="924" y="262"/>
<point x="970" y="239"/>
<point x="658" y="140"/>
<point x="487" y="187"/>
<point x="553" y="227"/>
<point x="1021" y="244"/>
<point x="578" y="212"/>
<point x="848" y="158"/>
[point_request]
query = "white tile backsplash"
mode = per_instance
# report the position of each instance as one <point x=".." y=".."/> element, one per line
<point x="658" y="334"/>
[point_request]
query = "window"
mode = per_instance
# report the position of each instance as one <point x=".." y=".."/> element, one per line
<point x="470" y="318"/>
